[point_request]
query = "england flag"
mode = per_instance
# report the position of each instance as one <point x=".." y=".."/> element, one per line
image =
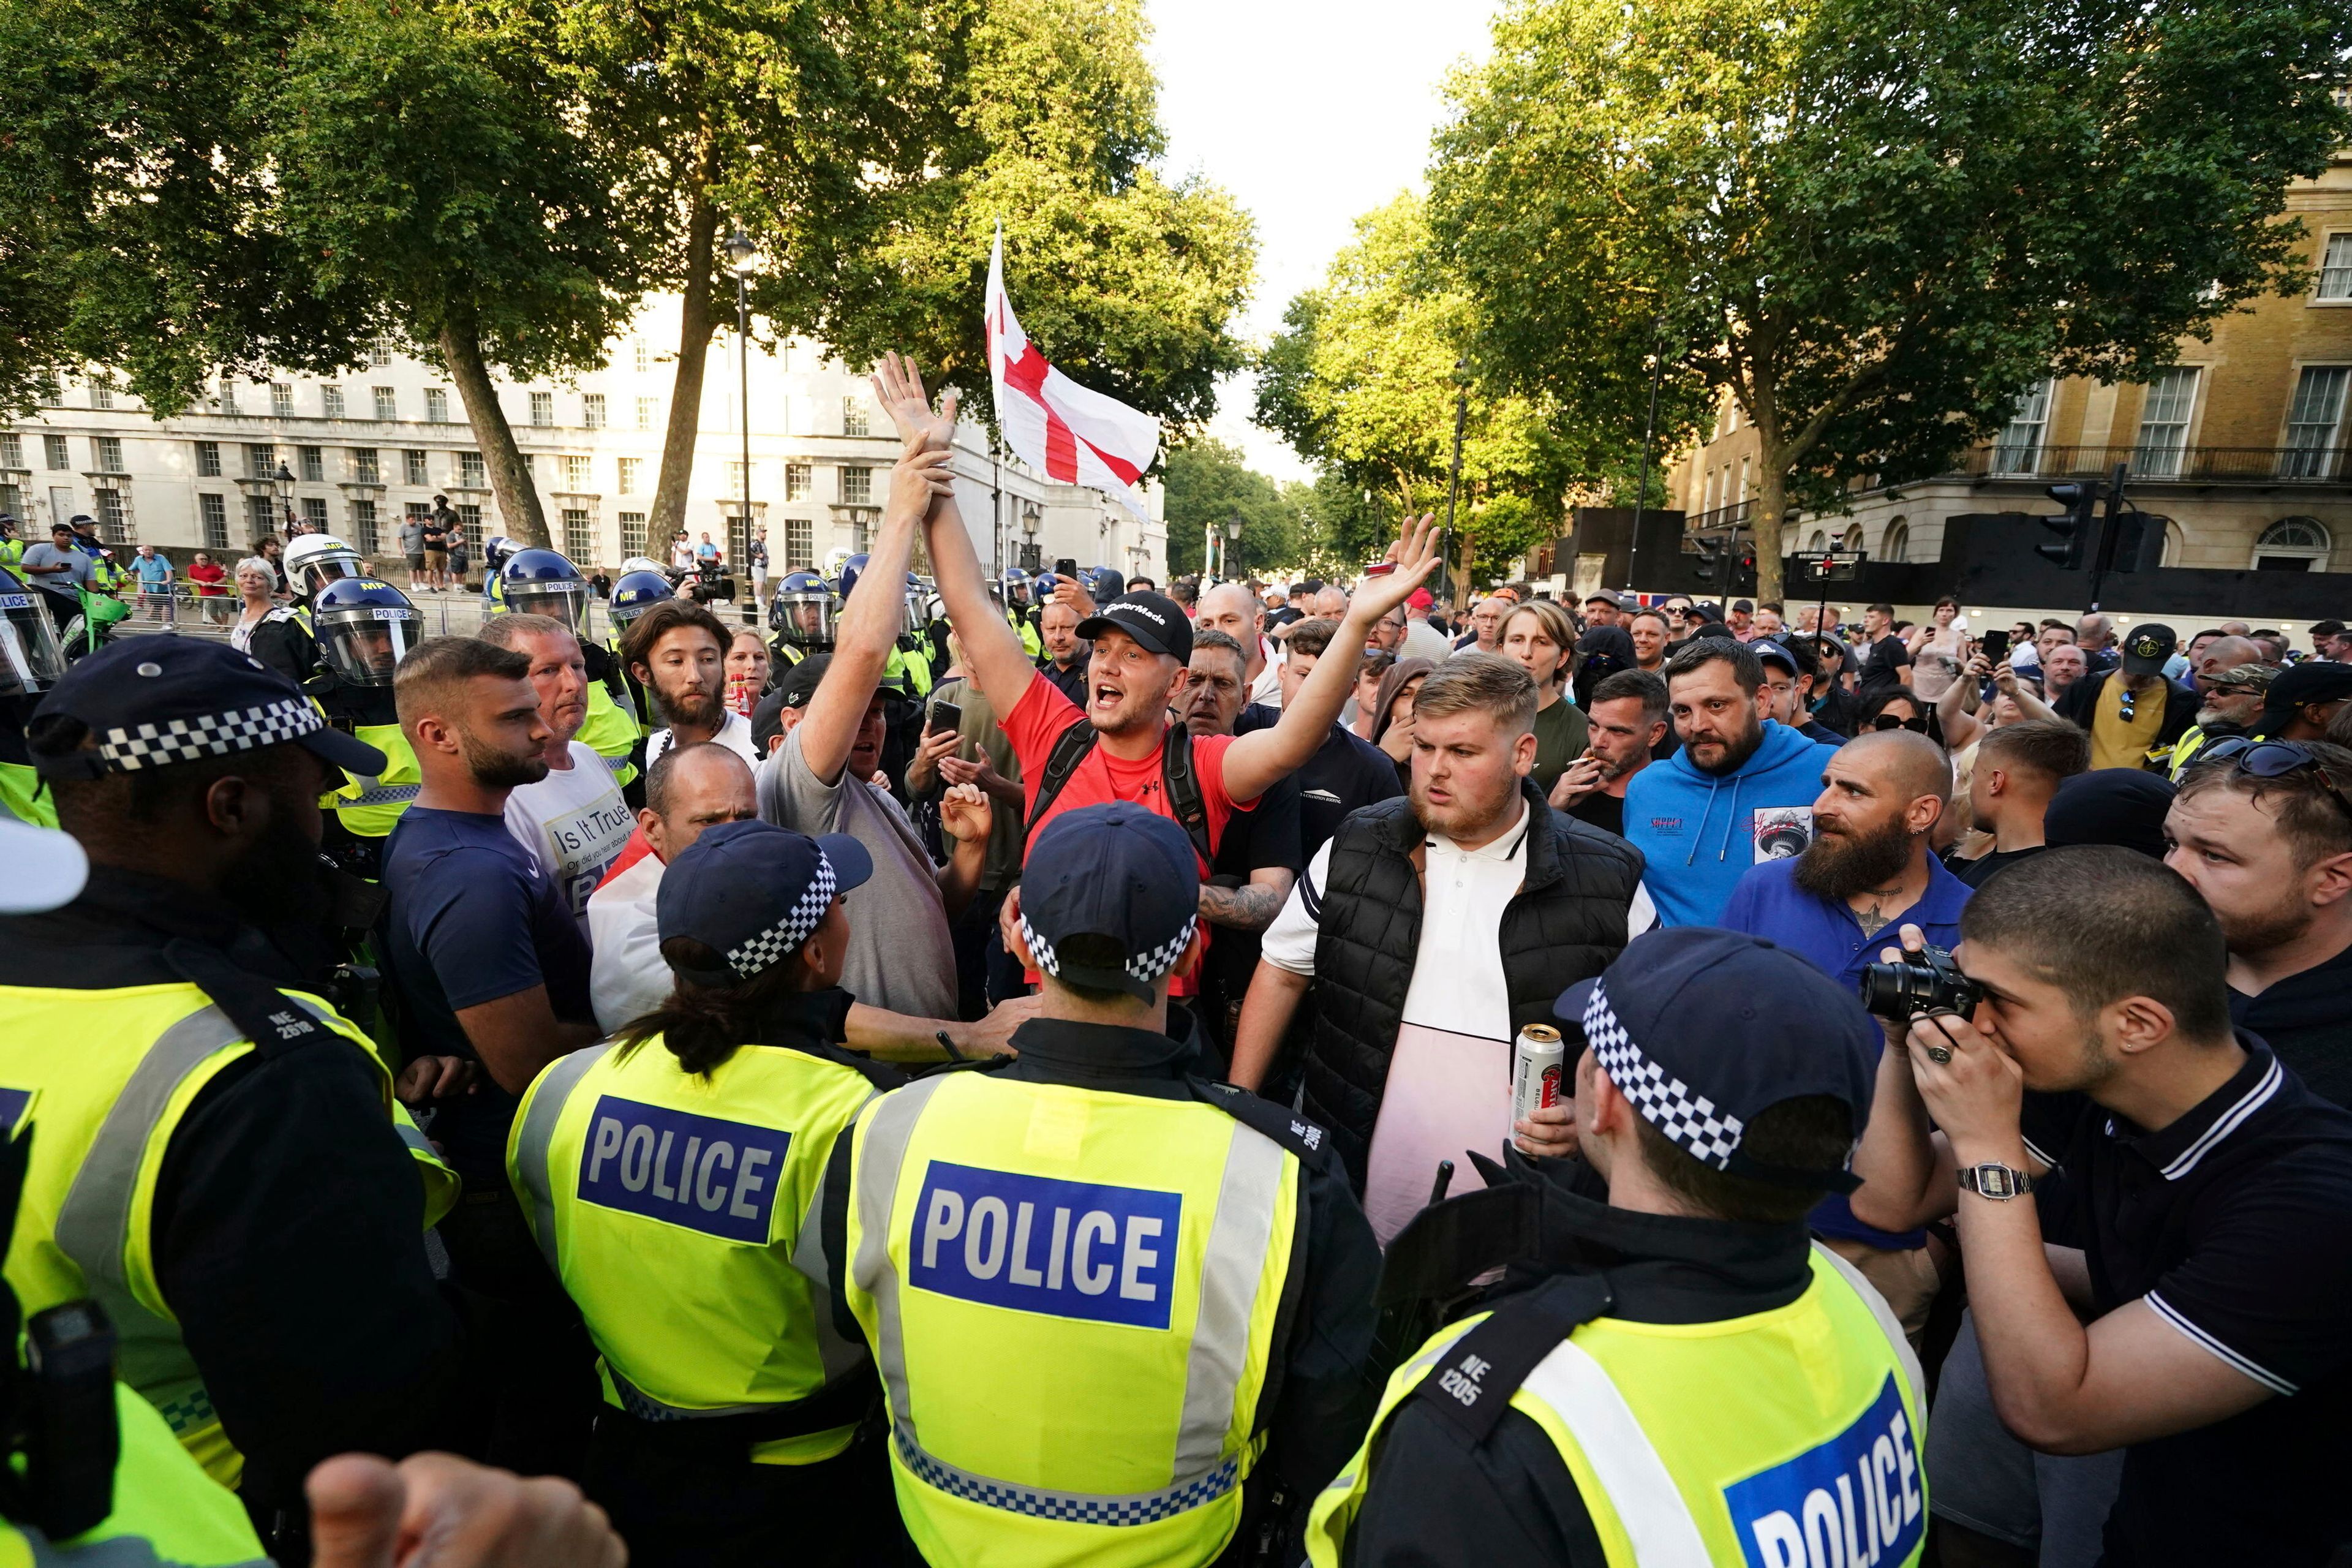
<point x="1051" y="422"/>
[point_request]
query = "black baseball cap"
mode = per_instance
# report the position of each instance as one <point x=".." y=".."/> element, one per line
<point x="153" y="701"/>
<point x="798" y="684"/>
<point x="753" y="892"/>
<point x="1704" y="1030"/>
<point x="1114" y="870"/>
<point x="2300" y="684"/>
<point x="1159" y="623"/>
<point x="2147" y="648"/>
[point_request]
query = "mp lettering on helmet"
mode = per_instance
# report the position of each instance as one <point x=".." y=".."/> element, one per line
<point x="1067" y="1249"/>
<point x="1857" y="1501"/>
<point x="698" y="1171"/>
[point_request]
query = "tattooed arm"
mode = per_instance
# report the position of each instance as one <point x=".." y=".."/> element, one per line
<point x="1252" y="905"/>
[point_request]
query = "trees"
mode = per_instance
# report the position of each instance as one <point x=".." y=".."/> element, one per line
<point x="1209" y="482"/>
<point x="1871" y="222"/>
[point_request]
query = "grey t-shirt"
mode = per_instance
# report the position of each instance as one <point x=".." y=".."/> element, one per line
<point x="65" y="585"/>
<point x="901" y="955"/>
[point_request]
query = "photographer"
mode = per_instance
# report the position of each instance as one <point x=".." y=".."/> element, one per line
<point x="2196" y="1198"/>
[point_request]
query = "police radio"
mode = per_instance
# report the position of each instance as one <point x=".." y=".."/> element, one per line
<point x="57" y="1408"/>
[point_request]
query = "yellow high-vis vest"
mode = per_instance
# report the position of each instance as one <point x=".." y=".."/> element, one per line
<point x="166" y="1511"/>
<point x="1071" y="1295"/>
<point x="107" y="1107"/>
<point x="610" y="730"/>
<point x="1788" y="1438"/>
<point x="369" y="807"/>
<point x="678" y="1211"/>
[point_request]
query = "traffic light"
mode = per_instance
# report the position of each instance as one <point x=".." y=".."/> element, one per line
<point x="1709" y="558"/>
<point x="2139" y="543"/>
<point x="2074" y="529"/>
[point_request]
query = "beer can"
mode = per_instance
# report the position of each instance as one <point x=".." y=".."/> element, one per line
<point x="1535" y="1069"/>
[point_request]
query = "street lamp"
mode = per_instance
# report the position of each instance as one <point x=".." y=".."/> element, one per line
<point x="283" y="483"/>
<point x="1233" y="538"/>
<point x="742" y="256"/>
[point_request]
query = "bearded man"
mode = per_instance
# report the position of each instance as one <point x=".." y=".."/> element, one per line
<point x="1869" y="869"/>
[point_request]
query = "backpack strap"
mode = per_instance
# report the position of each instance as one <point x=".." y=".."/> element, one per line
<point x="1071" y="747"/>
<point x="1182" y="783"/>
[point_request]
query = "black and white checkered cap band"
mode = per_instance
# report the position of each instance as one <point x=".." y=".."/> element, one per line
<point x="1689" y="1120"/>
<point x="1146" y="966"/>
<point x="784" y="939"/>
<point x="207" y="735"/>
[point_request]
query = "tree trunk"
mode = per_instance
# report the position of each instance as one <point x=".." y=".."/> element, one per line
<point x="510" y="483"/>
<point x="1764" y="526"/>
<point x="1461" y="594"/>
<point x="685" y="388"/>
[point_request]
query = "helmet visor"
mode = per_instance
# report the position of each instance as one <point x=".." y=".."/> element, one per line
<point x="30" y="660"/>
<point x="806" y="620"/>
<point x="366" y="643"/>
<point x="320" y="570"/>
<point x="566" y="601"/>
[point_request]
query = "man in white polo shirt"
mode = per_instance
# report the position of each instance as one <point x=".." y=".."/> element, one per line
<point x="574" y="819"/>
<point x="1429" y="929"/>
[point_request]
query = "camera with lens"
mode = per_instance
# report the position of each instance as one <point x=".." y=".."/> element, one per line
<point x="1926" y="982"/>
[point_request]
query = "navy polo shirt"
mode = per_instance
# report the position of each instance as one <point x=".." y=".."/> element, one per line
<point x="1769" y="903"/>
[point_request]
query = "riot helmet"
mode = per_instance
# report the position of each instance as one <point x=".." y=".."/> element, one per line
<point x="30" y="660"/>
<point x="314" y="560"/>
<point x="643" y="563"/>
<point x="543" y="582"/>
<point x="365" y="627"/>
<point x="802" y="611"/>
<point x="496" y="550"/>
<point x="636" y="592"/>
<point x="1019" y="592"/>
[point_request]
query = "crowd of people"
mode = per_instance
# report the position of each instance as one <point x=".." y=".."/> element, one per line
<point x="1021" y="1067"/>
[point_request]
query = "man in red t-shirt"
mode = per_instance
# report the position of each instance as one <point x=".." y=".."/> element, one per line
<point x="1142" y="648"/>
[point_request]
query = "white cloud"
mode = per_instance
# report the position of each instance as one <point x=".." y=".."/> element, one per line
<point x="1311" y="113"/>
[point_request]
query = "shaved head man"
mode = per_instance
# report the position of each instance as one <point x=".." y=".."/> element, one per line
<point x="1229" y="608"/>
<point x="2221" y="654"/>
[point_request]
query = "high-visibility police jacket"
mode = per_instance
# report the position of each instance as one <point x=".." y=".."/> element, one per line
<point x="140" y="1056"/>
<point x="1033" y="644"/>
<point x="369" y="805"/>
<point x="611" y="729"/>
<point x="2194" y="741"/>
<point x="1082" y="1301"/>
<point x="12" y="552"/>
<point x="907" y="670"/>
<point x="167" y="1513"/>
<point x="22" y="795"/>
<point x="677" y="1208"/>
<point x="1785" y="1437"/>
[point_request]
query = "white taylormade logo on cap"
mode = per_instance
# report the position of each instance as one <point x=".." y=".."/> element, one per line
<point x="1156" y="619"/>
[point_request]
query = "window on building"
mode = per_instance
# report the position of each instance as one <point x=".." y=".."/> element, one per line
<point x="106" y="454"/>
<point x="861" y="538"/>
<point x="799" y="544"/>
<point x="228" y="397"/>
<point x="314" y="512"/>
<point x="630" y="468"/>
<point x="101" y="391"/>
<point x="2293" y="544"/>
<point x="739" y="536"/>
<point x="1894" y="545"/>
<point x="113" y="519"/>
<point x="470" y="473"/>
<point x="530" y="464"/>
<point x="212" y="511"/>
<point x="281" y="400"/>
<point x="575" y="474"/>
<point x="579" y="537"/>
<point x="633" y="533"/>
<point x="364" y="467"/>
<point x="314" y="465"/>
<point x="49" y="391"/>
<point x="543" y="408"/>
<point x="387" y="402"/>
<point x="2164" y="424"/>
<point x="413" y="462"/>
<point x="799" y="481"/>
<point x="2018" y="450"/>
<point x="642" y="355"/>
<point x="647" y="408"/>
<point x="12" y="451"/>
<point x="737" y="477"/>
<point x="330" y="401"/>
<point x="260" y="460"/>
<point x="2336" y="268"/>
<point x="12" y="499"/>
<point x="857" y="486"/>
<point x="591" y="410"/>
<point x="437" y="405"/>
<point x="363" y="526"/>
<point x="470" y="518"/>
<point x="260" y="517"/>
<point x="852" y="416"/>
<point x="2313" y="421"/>
<point x="380" y="352"/>
<point x="54" y="453"/>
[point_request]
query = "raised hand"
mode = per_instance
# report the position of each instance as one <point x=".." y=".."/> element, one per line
<point x="1415" y="555"/>
<point x="916" y="479"/>
<point x="965" y="815"/>
<point x="899" y="387"/>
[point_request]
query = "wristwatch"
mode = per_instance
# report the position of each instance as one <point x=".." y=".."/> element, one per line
<point x="1998" y="1182"/>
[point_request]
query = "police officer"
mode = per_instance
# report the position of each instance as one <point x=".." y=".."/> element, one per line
<point x="1682" y="1375"/>
<point x="312" y="561"/>
<point x="802" y="615"/>
<point x="365" y="627"/>
<point x="906" y="674"/>
<point x="496" y="550"/>
<point x="264" y="1269"/>
<point x="544" y="583"/>
<point x="11" y="540"/>
<point x="30" y="663"/>
<point x="670" y="1177"/>
<point x="639" y="589"/>
<point x="1022" y="602"/>
<point x="1117" y="1310"/>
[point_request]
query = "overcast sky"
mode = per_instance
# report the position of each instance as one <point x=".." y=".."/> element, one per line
<point x="1311" y="113"/>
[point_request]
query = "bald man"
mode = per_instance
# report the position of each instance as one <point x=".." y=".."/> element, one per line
<point x="1868" y="870"/>
<point x="1229" y="608"/>
<point x="2223" y="653"/>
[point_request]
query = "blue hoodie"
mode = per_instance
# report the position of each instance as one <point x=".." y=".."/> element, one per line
<point x="1701" y="832"/>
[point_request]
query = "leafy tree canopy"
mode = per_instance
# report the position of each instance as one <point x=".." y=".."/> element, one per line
<point x="1209" y="483"/>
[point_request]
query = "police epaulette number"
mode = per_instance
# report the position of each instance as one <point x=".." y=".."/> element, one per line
<point x="1279" y="1123"/>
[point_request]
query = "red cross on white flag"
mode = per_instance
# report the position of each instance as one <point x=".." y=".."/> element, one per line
<point x="1051" y="422"/>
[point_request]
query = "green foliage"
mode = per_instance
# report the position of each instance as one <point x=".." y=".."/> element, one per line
<point x="1343" y="528"/>
<point x="1208" y="482"/>
<point x="1873" y="221"/>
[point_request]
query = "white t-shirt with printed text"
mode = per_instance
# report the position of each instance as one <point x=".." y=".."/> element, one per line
<point x="577" y="824"/>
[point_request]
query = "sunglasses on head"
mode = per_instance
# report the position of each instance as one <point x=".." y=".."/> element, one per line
<point x="2270" y="759"/>
<point x="1918" y="724"/>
